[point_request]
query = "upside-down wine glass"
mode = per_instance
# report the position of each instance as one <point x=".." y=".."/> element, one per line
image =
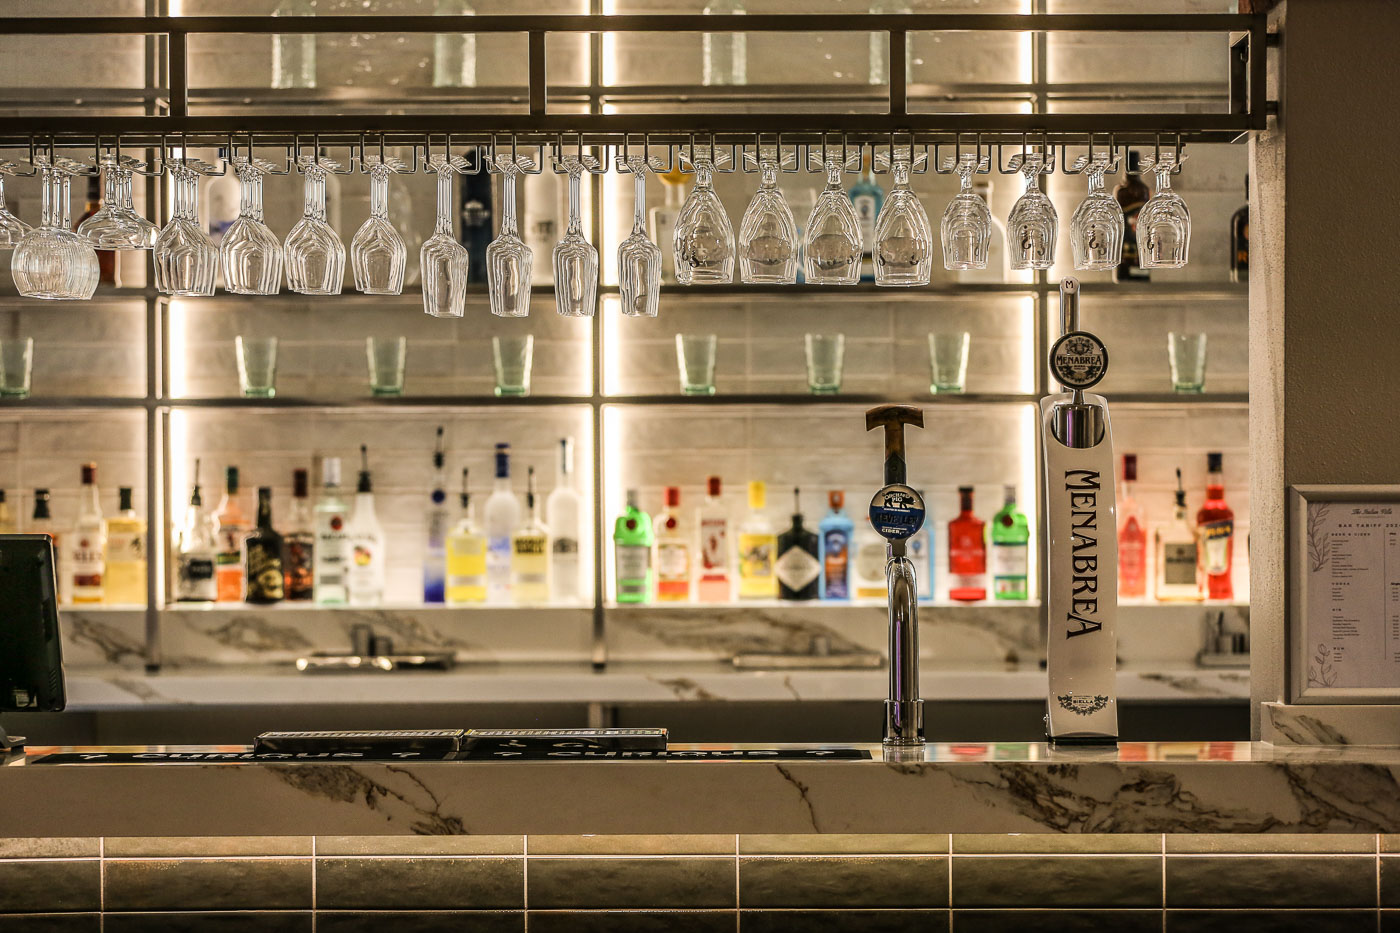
<point x="903" y="234"/>
<point x="1164" y="223"/>
<point x="638" y="258"/>
<point x="52" y="261"/>
<point x="315" y="256"/>
<point x="442" y="262"/>
<point x="378" y="255"/>
<point x="1033" y="224"/>
<point x="250" y="253"/>
<point x="768" y="232"/>
<point x="575" y="259"/>
<point x="509" y="260"/>
<point x="833" y="243"/>
<point x="186" y="260"/>
<point x="12" y="229"/>
<point x="967" y="221"/>
<point x="116" y="225"/>
<point x="704" y="244"/>
<point x="1096" y="227"/>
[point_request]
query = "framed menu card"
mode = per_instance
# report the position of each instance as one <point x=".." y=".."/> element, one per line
<point x="1344" y="592"/>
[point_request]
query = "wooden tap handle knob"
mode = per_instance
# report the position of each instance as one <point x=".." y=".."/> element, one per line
<point x="893" y="418"/>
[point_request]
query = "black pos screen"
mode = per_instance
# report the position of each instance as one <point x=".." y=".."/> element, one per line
<point x="31" y="658"/>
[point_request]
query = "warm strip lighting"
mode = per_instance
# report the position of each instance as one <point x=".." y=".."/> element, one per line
<point x="614" y="496"/>
<point x="612" y="352"/>
<point x="179" y="351"/>
<point x="1027" y="363"/>
<point x="1027" y="491"/>
<point x="608" y="48"/>
<point x="1025" y="54"/>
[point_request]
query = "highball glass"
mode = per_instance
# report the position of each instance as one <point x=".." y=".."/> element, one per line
<point x="52" y="261"/>
<point x="387" y="357"/>
<point x="638" y="258"/>
<point x="947" y="357"/>
<point x="442" y="262"/>
<point x="575" y="259"/>
<point x="1186" y="353"/>
<point x="250" y="253"/>
<point x="695" y="358"/>
<point x="116" y="225"/>
<point x="1096" y="228"/>
<point x="1164" y="223"/>
<point x="1033" y="224"/>
<point x="704" y="246"/>
<point x="832" y="246"/>
<point x="12" y="229"/>
<point x="378" y="255"/>
<point x="967" y="222"/>
<point x="768" y="233"/>
<point x="508" y="259"/>
<point x="903" y="235"/>
<point x="314" y="254"/>
<point x="257" y="366"/>
<point x="16" y="366"/>
<point x="186" y="261"/>
<point x="513" y="358"/>
<point x="826" y="355"/>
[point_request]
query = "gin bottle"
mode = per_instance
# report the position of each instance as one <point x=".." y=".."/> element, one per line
<point x="1177" y="553"/>
<point x="196" y="551"/>
<point x="88" y="541"/>
<point x="757" y="549"/>
<point x="1010" y="534"/>
<point x="967" y="553"/>
<point x="632" y="541"/>
<point x="233" y="525"/>
<point x="867" y="197"/>
<point x="299" y="543"/>
<point x="672" y="551"/>
<point x="125" y="555"/>
<point x="712" y="522"/>
<point x="835" y="533"/>
<point x="435" y="521"/>
<point x="262" y="555"/>
<point x="562" y="518"/>
<point x="1132" y="537"/>
<point x="797" y="567"/>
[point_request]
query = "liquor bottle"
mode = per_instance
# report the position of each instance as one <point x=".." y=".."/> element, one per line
<point x="725" y="53"/>
<point x="998" y="269"/>
<point x="1131" y="195"/>
<point x="663" y="220"/>
<point x="672" y="551"/>
<point x="466" y="555"/>
<point x="712" y="522"/>
<point x="196" y="551"/>
<point x="233" y="525"/>
<point x="867" y="197"/>
<point x="529" y="552"/>
<point x="436" y="521"/>
<point x="42" y="523"/>
<point x="1216" y="525"/>
<point x="299" y="543"/>
<point x="332" y="552"/>
<point x="835" y="533"/>
<point x="262" y="555"/>
<point x="476" y="222"/>
<point x="107" y="272"/>
<point x="365" y="575"/>
<point x="502" y="517"/>
<point x="757" y="549"/>
<point x="798" y="568"/>
<point x="1239" y="240"/>
<point x="561" y="515"/>
<point x="125" y="583"/>
<point x="87" y="542"/>
<point x="1132" y="537"/>
<point x="868" y="568"/>
<point x="454" y="54"/>
<point x="7" y="518"/>
<point x="294" y="56"/>
<point x="219" y="204"/>
<point x="632" y="541"/>
<point x="1010" y="534"/>
<point x="1178" y="555"/>
<point x="967" y="552"/>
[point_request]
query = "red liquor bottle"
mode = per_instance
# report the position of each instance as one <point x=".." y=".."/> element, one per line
<point x="967" y="553"/>
<point x="1216" y="524"/>
<point x="1132" y="537"/>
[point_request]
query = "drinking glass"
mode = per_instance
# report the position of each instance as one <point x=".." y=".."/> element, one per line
<point x="768" y="233"/>
<point x="638" y="258"/>
<point x="1033" y="224"/>
<point x="12" y="229"/>
<point x="16" y="363"/>
<point x="947" y="353"/>
<point x="257" y="366"/>
<point x="575" y="259"/>
<point x="508" y="260"/>
<point x="1187" y="355"/>
<point x="52" y="261"/>
<point x="442" y="262"/>
<point x="1096" y="228"/>
<point x="377" y="251"/>
<point x="250" y="253"/>
<point x="704" y="246"/>
<point x="116" y="225"/>
<point x="1164" y="223"/>
<point x="186" y="261"/>
<point x="315" y="256"/>
<point x="832" y="246"/>
<point x="513" y="357"/>
<point x="903" y="235"/>
<point x="695" y="355"/>
<point x="387" y="358"/>
<point x="967" y="221"/>
<point x="826" y="353"/>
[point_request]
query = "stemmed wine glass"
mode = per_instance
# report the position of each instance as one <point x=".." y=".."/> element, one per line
<point x="1033" y="223"/>
<point x="1164" y="223"/>
<point x="509" y="260"/>
<point x="52" y="261"/>
<point x="903" y="234"/>
<point x="315" y="256"/>
<point x="704" y="245"/>
<point x="377" y="252"/>
<point x="250" y="253"/>
<point x="768" y="232"/>
<point x="116" y="225"/>
<point x="186" y="261"/>
<point x="833" y="244"/>
<point x="967" y="221"/>
<point x="575" y="259"/>
<point x="1096" y="228"/>
<point x="442" y="262"/>
<point x="12" y="229"/>
<point x="638" y="258"/>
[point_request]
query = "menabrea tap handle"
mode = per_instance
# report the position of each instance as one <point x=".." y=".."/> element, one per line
<point x="893" y="418"/>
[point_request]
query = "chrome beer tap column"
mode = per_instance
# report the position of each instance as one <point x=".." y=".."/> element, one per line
<point x="897" y="512"/>
<point x="1081" y="539"/>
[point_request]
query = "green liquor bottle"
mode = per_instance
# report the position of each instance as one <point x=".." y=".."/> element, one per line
<point x="1010" y="534"/>
<point x="632" y="541"/>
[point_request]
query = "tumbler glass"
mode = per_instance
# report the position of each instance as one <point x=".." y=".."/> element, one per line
<point x="695" y="355"/>
<point x="513" y="357"/>
<point x="387" y="358"/>
<point x="826" y="353"/>
<point x="947" y="354"/>
<point x="257" y="366"/>
<point x="1187" y="355"/>
<point x="16" y="363"/>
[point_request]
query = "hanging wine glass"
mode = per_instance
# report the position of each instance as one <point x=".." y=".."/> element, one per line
<point x="903" y="235"/>
<point x="1096" y="227"/>
<point x="315" y="256"/>
<point x="575" y="259"/>
<point x="833" y="245"/>
<point x="442" y="262"/>
<point x="51" y="261"/>
<point x="768" y="232"/>
<point x="1164" y="223"/>
<point x="12" y="229"/>
<point x="967" y="221"/>
<point x="186" y="261"/>
<point x="704" y="246"/>
<point x="638" y="258"/>
<point x="1033" y="224"/>
<point x="509" y="261"/>
<point x="378" y="255"/>
<point x="116" y="225"/>
<point x="250" y="253"/>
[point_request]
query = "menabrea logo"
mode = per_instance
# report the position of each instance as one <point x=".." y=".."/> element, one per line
<point x="1082" y="704"/>
<point x="1082" y="489"/>
<point x="1079" y="360"/>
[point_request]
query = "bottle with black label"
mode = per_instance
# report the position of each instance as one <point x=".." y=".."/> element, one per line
<point x="798" y="568"/>
<point x="1131" y="195"/>
<point x="1239" y="240"/>
<point x="299" y="542"/>
<point x="262" y="555"/>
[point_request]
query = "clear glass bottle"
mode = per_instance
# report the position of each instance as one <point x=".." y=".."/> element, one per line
<point x="672" y="551"/>
<point x="835" y="533"/>
<point x="758" y="546"/>
<point x="562" y="516"/>
<point x="454" y="54"/>
<point x="332" y="554"/>
<point x="1132" y="536"/>
<point x="868" y="198"/>
<point x="233" y="525"/>
<point x="967" y="552"/>
<point x="797" y="567"/>
<point x="262" y="555"/>
<point x="294" y="56"/>
<point x="125" y="556"/>
<point x="87" y="541"/>
<point x="435" y="521"/>
<point x="529" y="552"/>
<point x="196" y="551"/>
<point x="725" y="53"/>
<point x="712" y="522"/>
<point x="868" y="568"/>
<point x="1177" y="552"/>
<point x="299" y="543"/>
<point x="365" y="577"/>
<point x="663" y="220"/>
<point x="1010" y="534"/>
<point x="502" y="518"/>
<point x="632" y="541"/>
<point x="466" y="555"/>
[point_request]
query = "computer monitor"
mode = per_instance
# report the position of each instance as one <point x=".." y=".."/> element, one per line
<point x="31" y="654"/>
